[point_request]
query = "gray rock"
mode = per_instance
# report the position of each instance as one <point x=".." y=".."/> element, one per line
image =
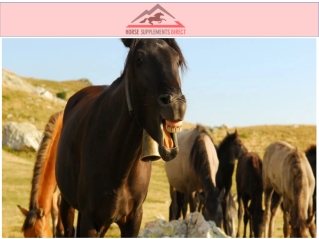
<point x="194" y="226"/>
<point x="21" y="136"/>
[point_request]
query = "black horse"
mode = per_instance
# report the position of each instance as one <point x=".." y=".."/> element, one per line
<point x="230" y="149"/>
<point x="99" y="169"/>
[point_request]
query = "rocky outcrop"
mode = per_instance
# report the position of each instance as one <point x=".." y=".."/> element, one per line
<point x="21" y="136"/>
<point x="194" y="226"/>
<point x="10" y="79"/>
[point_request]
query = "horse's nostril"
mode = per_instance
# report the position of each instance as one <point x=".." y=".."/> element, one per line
<point x="165" y="99"/>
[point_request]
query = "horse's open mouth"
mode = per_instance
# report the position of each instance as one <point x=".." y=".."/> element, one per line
<point x="170" y="128"/>
<point x="169" y="148"/>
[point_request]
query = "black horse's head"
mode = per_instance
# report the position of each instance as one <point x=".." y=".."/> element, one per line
<point x="212" y="209"/>
<point x="154" y="90"/>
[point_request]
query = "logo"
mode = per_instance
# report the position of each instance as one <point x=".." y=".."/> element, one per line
<point x="156" y="21"/>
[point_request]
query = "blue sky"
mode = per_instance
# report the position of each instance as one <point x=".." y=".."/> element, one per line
<point x="233" y="81"/>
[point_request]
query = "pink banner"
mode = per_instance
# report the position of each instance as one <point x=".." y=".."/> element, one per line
<point x="164" y="19"/>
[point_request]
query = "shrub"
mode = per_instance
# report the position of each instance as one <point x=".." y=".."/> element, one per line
<point x="61" y="95"/>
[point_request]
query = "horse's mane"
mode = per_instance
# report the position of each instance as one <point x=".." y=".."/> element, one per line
<point x="41" y="158"/>
<point x="256" y="163"/>
<point x="170" y="41"/>
<point x="298" y="177"/>
<point x="38" y="169"/>
<point x="312" y="150"/>
<point x="201" y="167"/>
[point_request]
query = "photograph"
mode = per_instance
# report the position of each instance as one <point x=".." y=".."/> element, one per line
<point x="158" y="137"/>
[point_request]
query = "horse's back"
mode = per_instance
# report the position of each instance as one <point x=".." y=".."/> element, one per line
<point x="249" y="169"/>
<point x="282" y="164"/>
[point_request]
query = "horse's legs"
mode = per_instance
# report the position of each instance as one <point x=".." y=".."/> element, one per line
<point x="224" y="208"/>
<point x="192" y="203"/>
<point x="184" y="206"/>
<point x="246" y="216"/>
<point x="173" y="208"/>
<point x="276" y="200"/>
<point x="240" y="212"/>
<point x="312" y="225"/>
<point x="67" y="217"/>
<point x="78" y="226"/>
<point x="268" y="194"/>
<point x="55" y="212"/>
<point x="131" y="226"/>
<point x="86" y="227"/>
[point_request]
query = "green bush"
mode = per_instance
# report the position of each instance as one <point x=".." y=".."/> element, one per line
<point x="61" y="95"/>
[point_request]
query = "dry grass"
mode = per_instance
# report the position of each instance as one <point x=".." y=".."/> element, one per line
<point x="17" y="176"/>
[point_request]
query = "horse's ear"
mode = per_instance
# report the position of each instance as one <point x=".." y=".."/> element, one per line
<point x="24" y="211"/>
<point x="236" y="132"/>
<point x="40" y="212"/>
<point x="169" y="40"/>
<point x="227" y="132"/>
<point x="127" y="41"/>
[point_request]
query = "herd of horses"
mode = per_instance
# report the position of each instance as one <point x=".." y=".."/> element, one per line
<point x="89" y="160"/>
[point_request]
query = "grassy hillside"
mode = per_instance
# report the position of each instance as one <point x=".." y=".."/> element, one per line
<point x="17" y="166"/>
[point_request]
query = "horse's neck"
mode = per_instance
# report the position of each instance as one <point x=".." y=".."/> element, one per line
<point x="47" y="182"/>
<point x="120" y="127"/>
<point x="226" y="155"/>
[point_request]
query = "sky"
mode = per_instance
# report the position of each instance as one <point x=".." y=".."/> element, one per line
<point x="232" y="81"/>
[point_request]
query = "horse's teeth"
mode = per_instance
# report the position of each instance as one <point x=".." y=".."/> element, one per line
<point x="173" y="129"/>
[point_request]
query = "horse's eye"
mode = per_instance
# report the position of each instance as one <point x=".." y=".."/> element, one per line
<point x="138" y="60"/>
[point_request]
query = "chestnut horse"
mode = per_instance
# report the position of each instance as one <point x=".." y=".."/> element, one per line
<point x="250" y="188"/>
<point x="194" y="171"/>
<point x="99" y="169"/>
<point x="287" y="172"/>
<point x="44" y="194"/>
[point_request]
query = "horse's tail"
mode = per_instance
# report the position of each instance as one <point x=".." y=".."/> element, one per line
<point x="143" y="20"/>
<point x="44" y="181"/>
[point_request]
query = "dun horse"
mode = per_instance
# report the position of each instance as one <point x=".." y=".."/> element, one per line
<point x="230" y="149"/>
<point x="287" y="172"/>
<point x="99" y="169"/>
<point x="194" y="170"/>
<point x="250" y="188"/>
<point x="42" y="200"/>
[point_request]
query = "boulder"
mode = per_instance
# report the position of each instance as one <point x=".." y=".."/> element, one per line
<point x="21" y="136"/>
<point x="194" y="226"/>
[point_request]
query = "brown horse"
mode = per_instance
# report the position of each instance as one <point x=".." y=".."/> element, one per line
<point x="99" y="168"/>
<point x="287" y="172"/>
<point x="250" y="188"/>
<point x="37" y="222"/>
<point x="194" y="170"/>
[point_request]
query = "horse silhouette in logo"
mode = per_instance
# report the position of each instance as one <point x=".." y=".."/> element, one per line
<point x="157" y="18"/>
